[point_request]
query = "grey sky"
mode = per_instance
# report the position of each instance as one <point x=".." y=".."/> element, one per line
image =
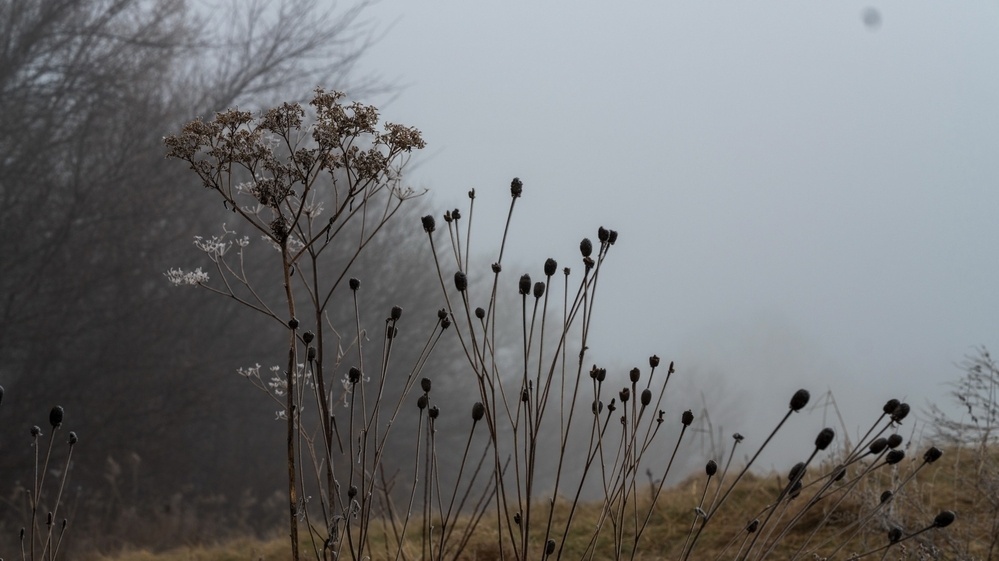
<point x="803" y="200"/>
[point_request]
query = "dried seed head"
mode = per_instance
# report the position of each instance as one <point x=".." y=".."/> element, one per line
<point x="516" y="188"/>
<point x="497" y="268"/>
<point x="795" y="489"/>
<point x="525" y="284"/>
<point x="890" y="406"/>
<point x="480" y="313"/>
<point x="612" y="238"/>
<point x="593" y="372"/>
<point x="55" y="416"/>
<point x="422" y="402"/>
<point x="550" y="267"/>
<point x="539" y="289"/>
<point x="895" y="456"/>
<point x="586" y="247"/>
<point x="354" y="375"/>
<point x="824" y="438"/>
<point x="36" y="431"/>
<point x="310" y="355"/>
<point x="625" y="395"/>
<point x="894" y="535"/>
<point x="646" y="397"/>
<point x="307" y="337"/>
<point x="660" y="417"/>
<point x="390" y="332"/>
<point x="738" y="437"/>
<point x="429" y="224"/>
<point x="799" y="400"/>
<point x="878" y="445"/>
<point x="73" y="439"/>
<point x="886" y="496"/>
<point x="460" y="281"/>
<point x="840" y="474"/>
<point x="434" y="412"/>
<point x="598" y="407"/>
<point x="752" y="526"/>
<point x="354" y="284"/>
<point x="932" y="455"/>
<point x="944" y="519"/>
<point x="900" y="413"/>
<point x="478" y="410"/>
<point x="711" y="468"/>
<point x="525" y="395"/>
<point x="687" y="418"/>
<point x="445" y="323"/>
<point x="654" y="361"/>
<point x="602" y="234"/>
<point x="601" y="374"/>
<point x="441" y="313"/>
<point x="293" y="323"/>
<point x="471" y="194"/>
<point x="634" y="375"/>
<point x="425" y="384"/>
<point x="396" y="313"/>
<point x="895" y="440"/>
<point x="550" y="547"/>
<point x="516" y="518"/>
<point x="797" y="472"/>
<point x="352" y="492"/>
<point x="456" y="214"/>
<point x="566" y="271"/>
<point x="612" y="405"/>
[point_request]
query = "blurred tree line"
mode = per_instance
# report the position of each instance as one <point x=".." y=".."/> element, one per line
<point x="173" y="444"/>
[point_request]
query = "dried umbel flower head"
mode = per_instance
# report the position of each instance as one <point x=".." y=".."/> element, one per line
<point x="612" y="406"/>
<point x="799" y="400"/>
<point x="738" y="437"/>
<point x="894" y="457"/>
<point x="586" y="247"/>
<point x="654" y="361"/>
<point x="55" y="416"/>
<point x="471" y="194"/>
<point x="525" y="284"/>
<point x="824" y="438"/>
<point x="396" y="313"/>
<point x="516" y="518"/>
<point x="480" y="313"/>
<point x="447" y="216"/>
<point x="646" y="397"/>
<point x="354" y="284"/>
<point x="354" y="375"/>
<point x="425" y="385"/>
<point x="932" y="455"/>
<point x="525" y="395"/>
<point x="601" y="374"/>
<point x="478" y="410"/>
<point x="460" y="281"/>
<point x="944" y="519"/>
<point x="539" y="289"/>
<point x="711" y="468"/>
<point x="456" y="214"/>
<point x="429" y="224"/>
<point x="516" y="188"/>
<point x="550" y="267"/>
<point x="634" y="375"/>
<point x="895" y="440"/>
<point x="687" y="418"/>
<point x="308" y="337"/>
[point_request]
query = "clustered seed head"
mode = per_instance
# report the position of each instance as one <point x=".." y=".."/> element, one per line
<point x="886" y="496"/>
<point x="308" y="336"/>
<point x="460" y="281"/>
<point x="894" y="535"/>
<point x="480" y="313"/>
<point x="396" y="313"/>
<point x="516" y="187"/>
<point x="932" y="455"/>
<point x="646" y="397"/>
<point x="634" y="375"/>
<point x="478" y="410"/>
<point x="425" y="384"/>
<point x="586" y="247"/>
<point x="944" y="519"/>
<point x="36" y="431"/>
<point x="878" y="445"/>
<point x="434" y="412"/>
<point x="422" y="402"/>
<point x="447" y="216"/>
<point x="895" y="456"/>
<point x="890" y="406"/>
<point x="895" y="440"/>
<point x="598" y="374"/>
<point x="799" y="400"/>
<point x="73" y="439"/>
<point x="824" y="438"/>
<point x="525" y="284"/>
<point x="429" y="224"/>
<point x="550" y="267"/>
<point x="539" y="289"/>
<point x="654" y="361"/>
<point x="625" y="395"/>
<point x="752" y="526"/>
<point x="687" y="418"/>
<point x="711" y="468"/>
<point x="354" y="284"/>
<point x="900" y="413"/>
<point x="55" y="416"/>
<point x="293" y="323"/>
<point x="354" y="375"/>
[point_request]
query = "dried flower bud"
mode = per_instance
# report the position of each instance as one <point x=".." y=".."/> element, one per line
<point x="711" y="468"/>
<point x="497" y="268"/>
<point x="422" y="402"/>
<point x="447" y="216"/>
<point x="886" y="496"/>
<point x="654" y="361"/>
<point x="601" y="374"/>
<point x="525" y="284"/>
<point x="894" y="440"/>
<point x="894" y="535"/>
<point x="646" y="397"/>
<point x="878" y="445"/>
<point x="73" y="438"/>
<point x="944" y="519"/>
<point x="396" y="313"/>
<point x="932" y="455"/>
<point x="293" y="323"/>
<point x="478" y="410"/>
<point x="434" y="412"/>
<point x="890" y="406"/>
<point x="429" y="224"/>
<point x="752" y="526"/>
<point x="307" y="337"/>
<point x="354" y="375"/>
<point x="480" y="313"/>
<point x="625" y="395"/>
<point x="425" y="384"/>
<point x="612" y="238"/>
<point x="687" y="418"/>
<point x="550" y="267"/>
<point x="354" y="284"/>
<point x="900" y="412"/>
<point x="799" y="400"/>
<point x="550" y="547"/>
<point x="586" y="247"/>
<point x="516" y="187"/>
<point x="894" y="457"/>
<point x="597" y="407"/>
<point x="824" y="438"/>
<point x="539" y="289"/>
<point x="352" y="492"/>
<point x="634" y="375"/>
<point x="310" y="354"/>
<point x="55" y="416"/>
<point x="460" y="281"/>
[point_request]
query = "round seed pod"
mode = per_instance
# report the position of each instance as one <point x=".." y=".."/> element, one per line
<point x="73" y="438"/>
<point x="566" y="271"/>
<point x="895" y="440"/>
<point x="460" y="281"/>
<point x="890" y="406"/>
<point x="497" y="268"/>
<point x="36" y="431"/>
<point x="894" y="535"/>
<point x="516" y="188"/>
<point x="422" y="402"/>
<point x="425" y="385"/>
<point x="525" y="284"/>
<point x="646" y="397"/>
<point x="752" y="526"/>
<point x="900" y="412"/>
<point x="687" y="418"/>
<point x="932" y="455"/>
<point x="824" y="438"/>
<point x="634" y="375"/>
<point x="478" y="410"/>
<point x="434" y="412"/>
<point x="354" y="375"/>
<point x="310" y="355"/>
<point x="586" y="247"/>
<point x="886" y="496"/>
<point x="625" y="395"/>
<point x="480" y="313"/>
<point x="55" y="416"/>
<point x="602" y="234"/>
<point x="293" y="323"/>
<point x="429" y="224"/>
<point x="711" y="468"/>
<point x="441" y="313"/>
<point x="612" y="237"/>
<point x="550" y="547"/>
<point x="598" y="407"/>
<point x="654" y="361"/>
<point x="878" y="445"/>
<point x="308" y="337"/>
<point x="944" y="519"/>
<point x="550" y="266"/>
<point x="354" y="284"/>
<point x="601" y="374"/>
<point x="797" y="471"/>
<point x="352" y="492"/>
<point x="895" y="456"/>
<point x="396" y="313"/>
<point x="539" y="289"/>
<point x="799" y="400"/>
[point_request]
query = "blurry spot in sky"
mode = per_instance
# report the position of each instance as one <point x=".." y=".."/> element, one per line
<point x="872" y="18"/>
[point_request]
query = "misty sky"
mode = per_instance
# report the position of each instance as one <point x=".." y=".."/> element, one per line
<point x="805" y="197"/>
